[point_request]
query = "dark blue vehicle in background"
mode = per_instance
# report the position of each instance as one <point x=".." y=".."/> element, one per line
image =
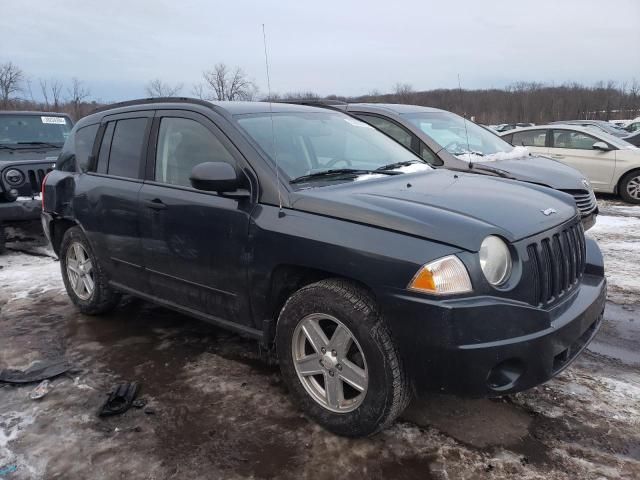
<point x="372" y="275"/>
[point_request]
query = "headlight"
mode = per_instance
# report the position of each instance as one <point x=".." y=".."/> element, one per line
<point x="446" y="275"/>
<point x="495" y="260"/>
<point x="14" y="177"/>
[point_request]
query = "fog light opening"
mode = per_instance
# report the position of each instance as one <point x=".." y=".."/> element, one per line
<point x="505" y="374"/>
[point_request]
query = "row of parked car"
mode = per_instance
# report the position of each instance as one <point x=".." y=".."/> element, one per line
<point x="379" y="251"/>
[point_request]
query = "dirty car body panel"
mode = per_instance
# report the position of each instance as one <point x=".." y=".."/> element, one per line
<point x="233" y="259"/>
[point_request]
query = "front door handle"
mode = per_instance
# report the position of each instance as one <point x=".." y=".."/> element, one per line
<point x="557" y="155"/>
<point x="155" y="204"/>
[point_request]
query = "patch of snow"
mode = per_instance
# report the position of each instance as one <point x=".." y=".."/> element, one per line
<point x="28" y="199"/>
<point x="369" y="176"/>
<point x="414" y="167"/>
<point x="619" y="240"/>
<point x="517" y="152"/>
<point x="22" y="275"/>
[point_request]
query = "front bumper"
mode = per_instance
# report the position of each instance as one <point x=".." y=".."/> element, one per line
<point x="488" y="346"/>
<point x="589" y="220"/>
<point x="20" y="211"/>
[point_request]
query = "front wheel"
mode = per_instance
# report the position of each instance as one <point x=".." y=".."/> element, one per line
<point x="338" y="359"/>
<point x="630" y="187"/>
<point x="83" y="276"/>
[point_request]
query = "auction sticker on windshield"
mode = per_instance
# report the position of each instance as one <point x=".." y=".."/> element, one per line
<point x="54" y="120"/>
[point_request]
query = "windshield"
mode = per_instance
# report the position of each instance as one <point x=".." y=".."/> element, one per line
<point x="448" y="130"/>
<point x="313" y="142"/>
<point x="29" y="129"/>
<point x="609" y="128"/>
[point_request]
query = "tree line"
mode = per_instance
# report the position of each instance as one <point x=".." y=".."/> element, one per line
<point x="519" y="102"/>
<point x="525" y="101"/>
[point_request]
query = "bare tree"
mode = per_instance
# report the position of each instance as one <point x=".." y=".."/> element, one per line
<point x="404" y="92"/>
<point x="200" y="91"/>
<point x="158" y="88"/>
<point x="11" y="78"/>
<point x="56" y="91"/>
<point x="44" y="89"/>
<point x="77" y="94"/>
<point x="229" y="85"/>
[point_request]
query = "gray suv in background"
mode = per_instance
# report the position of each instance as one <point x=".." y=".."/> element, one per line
<point x="447" y="140"/>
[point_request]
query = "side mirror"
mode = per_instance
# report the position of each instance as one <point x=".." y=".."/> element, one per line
<point x="214" y="177"/>
<point x="601" y="146"/>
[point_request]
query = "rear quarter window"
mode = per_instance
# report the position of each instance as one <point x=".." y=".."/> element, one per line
<point x="77" y="149"/>
<point x="84" y="139"/>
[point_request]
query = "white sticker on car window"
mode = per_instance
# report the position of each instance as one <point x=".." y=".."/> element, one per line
<point x="54" y="120"/>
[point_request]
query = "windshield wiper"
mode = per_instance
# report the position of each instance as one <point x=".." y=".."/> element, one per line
<point x="393" y="166"/>
<point x="338" y="172"/>
<point x="40" y="144"/>
<point x="497" y="171"/>
<point x="7" y="147"/>
<point x="469" y="152"/>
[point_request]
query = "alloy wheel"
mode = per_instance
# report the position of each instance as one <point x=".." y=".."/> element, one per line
<point x="330" y="363"/>
<point x="633" y="187"/>
<point x="80" y="271"/>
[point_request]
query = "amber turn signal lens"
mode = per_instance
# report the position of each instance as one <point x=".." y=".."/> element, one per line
<point x="447" y="275"/>
<point x="424" y="280"/>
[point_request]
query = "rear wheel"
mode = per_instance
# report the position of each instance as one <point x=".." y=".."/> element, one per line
<point x="83" y="277"/>
<point x="630" y="187"/>
<point x="338" y="359"/>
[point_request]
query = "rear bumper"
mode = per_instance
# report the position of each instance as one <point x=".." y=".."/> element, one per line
<point x="20" y="211"/>
<point x="488" y="346"/>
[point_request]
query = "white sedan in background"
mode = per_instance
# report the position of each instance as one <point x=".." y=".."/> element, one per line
<point x="609" y="163"/>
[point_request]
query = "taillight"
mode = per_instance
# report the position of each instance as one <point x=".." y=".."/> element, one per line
<point x="42" y="190"/>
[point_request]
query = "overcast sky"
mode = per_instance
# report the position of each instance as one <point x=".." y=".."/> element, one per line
<point x="326" y="46"/>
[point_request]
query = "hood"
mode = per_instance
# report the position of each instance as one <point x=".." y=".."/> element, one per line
<point x="23" y="155"/>
<point x="459" y="209"/>
<point x="543" y="171"/>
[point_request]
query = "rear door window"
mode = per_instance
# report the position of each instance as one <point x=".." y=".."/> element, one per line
<point x="105" y="147"/>
<point x="529" y="138"/>
<point x="125" y="158"/>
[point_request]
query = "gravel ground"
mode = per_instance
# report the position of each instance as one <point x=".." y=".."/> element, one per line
<point x="216" y="407"/>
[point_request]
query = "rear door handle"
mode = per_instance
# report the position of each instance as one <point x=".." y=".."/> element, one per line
<point x="155" y="204"/>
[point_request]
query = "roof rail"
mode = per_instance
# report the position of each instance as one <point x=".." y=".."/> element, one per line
<point x="145" y="101"/>
<point x="314" y="102"/>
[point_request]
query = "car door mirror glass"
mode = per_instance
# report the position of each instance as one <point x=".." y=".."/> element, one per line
<point x="214" y="177"/>
<point x="601" y="146"/>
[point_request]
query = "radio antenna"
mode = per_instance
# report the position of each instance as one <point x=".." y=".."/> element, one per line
<point x="464" y="119"/>
<point x="273" y="130"/>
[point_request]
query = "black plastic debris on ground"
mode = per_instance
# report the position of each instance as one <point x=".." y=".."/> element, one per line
<point x="40" y="370"/>
<point x="120" y="399"/>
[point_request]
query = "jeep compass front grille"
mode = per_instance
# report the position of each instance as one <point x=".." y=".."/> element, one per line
<point x="558" y="263"/>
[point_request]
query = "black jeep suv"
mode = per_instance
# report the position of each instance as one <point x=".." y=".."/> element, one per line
<point x="29" y="146"/>
<point x="373" y="275"/>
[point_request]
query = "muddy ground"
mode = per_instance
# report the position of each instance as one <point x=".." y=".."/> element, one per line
<point x="216" y="407"/>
